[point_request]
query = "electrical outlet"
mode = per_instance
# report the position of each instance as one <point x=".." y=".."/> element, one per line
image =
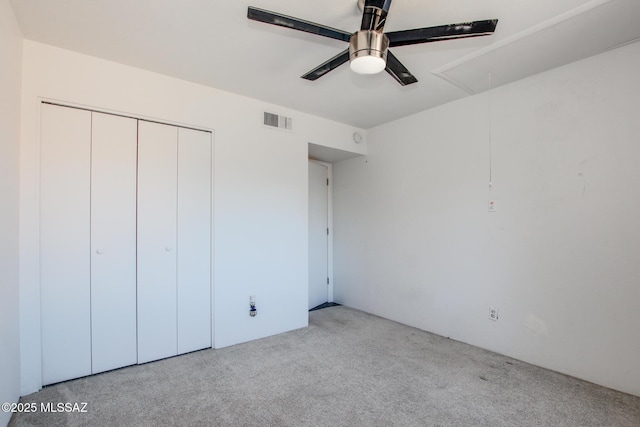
<point x="252" y="306"/>
<point x="493" y="313"/>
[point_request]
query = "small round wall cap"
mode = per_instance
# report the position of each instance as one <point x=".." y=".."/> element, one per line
<point x="357" y="137"/>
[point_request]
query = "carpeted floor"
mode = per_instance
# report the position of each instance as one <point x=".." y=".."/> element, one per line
<point x="347" y="368"/>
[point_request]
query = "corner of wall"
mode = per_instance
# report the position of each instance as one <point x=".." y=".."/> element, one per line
<point x="10" y="86"/>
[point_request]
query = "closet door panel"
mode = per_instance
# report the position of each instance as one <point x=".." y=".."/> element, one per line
<point x="157" y="217"/>
<point x="65" y="243"/>
<point x="194" y="240"/>
<point x="113" y="242"/>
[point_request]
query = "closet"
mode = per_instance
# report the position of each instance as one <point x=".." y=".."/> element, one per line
<point x="125" y="241"/>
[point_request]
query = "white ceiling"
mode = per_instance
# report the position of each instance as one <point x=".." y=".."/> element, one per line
<point x="213" y="43"/>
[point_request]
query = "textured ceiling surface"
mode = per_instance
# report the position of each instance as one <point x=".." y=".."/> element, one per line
<point x="212" y="42"/>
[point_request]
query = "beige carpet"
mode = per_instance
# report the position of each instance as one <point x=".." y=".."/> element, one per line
<point x="347" y="368"/>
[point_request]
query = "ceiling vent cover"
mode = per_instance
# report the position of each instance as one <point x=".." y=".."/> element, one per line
<point x="279" y="122"/>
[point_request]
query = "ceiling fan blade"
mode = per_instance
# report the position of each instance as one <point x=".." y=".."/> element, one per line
<point x="442" y="32"/>
<point x="280" y="20"/>
<point x="374" y="14"/>
<point x="380" y="4"/>
<point x="331" y="64"/>
<point x="398" y="71"/>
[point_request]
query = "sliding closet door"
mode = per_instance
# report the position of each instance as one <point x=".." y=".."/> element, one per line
<point x="113" y="242"/>
<point x="65" y="147"/>
<point x="157" y="219"/>
<point x="194" y="240"/>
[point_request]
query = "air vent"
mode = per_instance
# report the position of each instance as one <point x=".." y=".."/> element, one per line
<point x="278" y="122"/>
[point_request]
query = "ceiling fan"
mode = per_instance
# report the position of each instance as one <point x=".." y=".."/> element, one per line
<point x="368" y="50"/>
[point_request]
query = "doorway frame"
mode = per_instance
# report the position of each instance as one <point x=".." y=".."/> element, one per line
<point x="329" y="167"/>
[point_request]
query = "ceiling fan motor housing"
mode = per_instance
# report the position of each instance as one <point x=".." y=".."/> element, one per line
<point x="368" y="44"/>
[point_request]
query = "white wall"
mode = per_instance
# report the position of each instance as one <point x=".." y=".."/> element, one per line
<point x="560" y="259"/>
<point x="260" y="188"/>
<point x="10" y="72"/>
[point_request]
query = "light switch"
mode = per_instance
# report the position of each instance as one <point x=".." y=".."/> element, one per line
<point x="492" y="206"/>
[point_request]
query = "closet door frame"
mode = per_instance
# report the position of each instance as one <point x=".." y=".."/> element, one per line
<point x="30" y="269"/>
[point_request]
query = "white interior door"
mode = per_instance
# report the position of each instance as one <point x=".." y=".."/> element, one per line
<point x="194" y="240"/>
<point x="65" y="147"/>
<point x="113" y="242"/>
<point x="157" y="219"/>
<point x="318" y="234"/>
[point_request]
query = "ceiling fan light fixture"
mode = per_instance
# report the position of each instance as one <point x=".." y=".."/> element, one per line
<point x="368" y="52"/>
<point x="368" y="64"/>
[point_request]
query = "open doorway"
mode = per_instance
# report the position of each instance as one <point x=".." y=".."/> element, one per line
<point x="321" y="280"/>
